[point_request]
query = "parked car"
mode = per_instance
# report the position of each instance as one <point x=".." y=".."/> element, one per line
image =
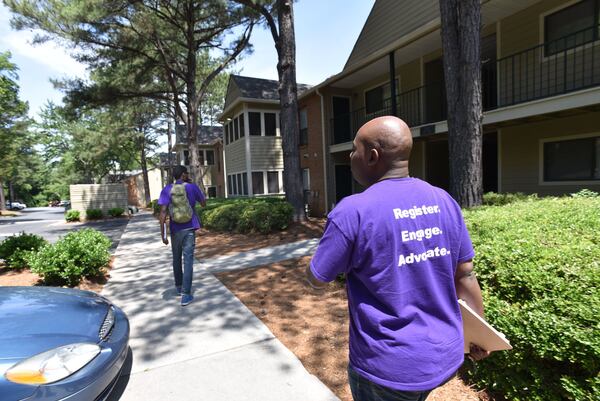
<point x="15" y="205"/>
<point x="59" y="344"/>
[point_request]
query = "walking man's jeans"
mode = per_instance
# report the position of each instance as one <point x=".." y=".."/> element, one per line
<point x="365" y="390"/>
<point x="183" y="244"/>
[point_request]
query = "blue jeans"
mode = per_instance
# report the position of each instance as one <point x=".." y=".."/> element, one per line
<point x="365" y="390"/>
<point x="183" y="243"/>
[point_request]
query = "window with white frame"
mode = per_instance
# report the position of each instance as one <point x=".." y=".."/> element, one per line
<point x="254" y="121"/>
<point x="258" y="183"/>
<point x="572" y="159"/>
<point x="273" y="182"/>
<point x="270" y="124"/>
<point x="306" y="179"/>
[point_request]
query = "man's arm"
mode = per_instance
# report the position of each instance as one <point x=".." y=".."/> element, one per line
<point x="162" y="218"/>
<point x="467" y="289"/>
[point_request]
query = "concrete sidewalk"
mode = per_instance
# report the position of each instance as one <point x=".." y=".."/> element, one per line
<point x="214" y="349"/>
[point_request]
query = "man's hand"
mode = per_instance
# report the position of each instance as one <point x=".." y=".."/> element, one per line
<point x="478" y="353"/>
<point x="312" y="281"/>
<point x="165" y="241"/>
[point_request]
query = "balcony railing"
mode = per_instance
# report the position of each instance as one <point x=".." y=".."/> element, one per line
<point x="564" y="65"/>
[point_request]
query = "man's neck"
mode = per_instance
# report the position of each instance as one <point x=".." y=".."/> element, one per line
<point x="397" y="172"/>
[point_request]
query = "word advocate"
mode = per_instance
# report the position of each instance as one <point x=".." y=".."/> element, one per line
<point x="419" y="235"/>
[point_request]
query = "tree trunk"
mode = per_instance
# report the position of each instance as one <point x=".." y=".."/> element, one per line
<point x="144" y="165"/>
<point x="288" y="100"/>
<point x="461" y="22"/>
<point x="2" y="199"/>
<point x="169" y="151"/>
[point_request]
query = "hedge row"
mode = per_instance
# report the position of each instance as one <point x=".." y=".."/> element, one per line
<point x="538" y="263"/>
<point x="245" y="215"/>
<point x="78" y="254"/>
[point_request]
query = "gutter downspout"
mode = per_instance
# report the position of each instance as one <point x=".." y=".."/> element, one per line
<point x="323" y="136"/>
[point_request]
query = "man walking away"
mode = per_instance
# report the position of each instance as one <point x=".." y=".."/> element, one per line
<point x="179" y="200"/>
<point x="407" y="256"/>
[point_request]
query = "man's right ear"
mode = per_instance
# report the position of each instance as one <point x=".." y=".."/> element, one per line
<point x="373" y="157"/>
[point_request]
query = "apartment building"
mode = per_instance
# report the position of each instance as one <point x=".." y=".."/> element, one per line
<point x="210" y="157"/>
<point x="540" y="65"/>
<point x="252" y="137"/>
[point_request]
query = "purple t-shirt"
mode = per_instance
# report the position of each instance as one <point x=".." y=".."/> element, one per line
<point x="399" y="243"/>
<point x="194" y="194"/>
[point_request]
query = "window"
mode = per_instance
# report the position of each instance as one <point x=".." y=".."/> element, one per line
<point x="303" y="127"/>
<point x="572" y="160"/>
<point x="378" y="98"/>
<point x="236" y="129"/>
<point x="244" y="184"/>
<point x="226" y="134"/>
<point x="273" y="182"/>
<point x="242" y="126"/>
<point x="270" y="124"/>
<point x="572" y="26"/>
<point x="201" y="157"/>
<point x="306" y="179"/>
<point x="229" y="185"/>
<point x="186" y="158"/>
<point x="210" y="157"/>
<point x="254" y="122"/>
<point x="212" y="192"/>
<point x="239" y="183"/>
<point x="258" y="185"/>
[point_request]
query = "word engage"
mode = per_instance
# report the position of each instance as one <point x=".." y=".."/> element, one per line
<point x="420" y="234"/>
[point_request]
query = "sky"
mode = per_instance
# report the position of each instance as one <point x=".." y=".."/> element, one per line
<point x="326" y="31"/>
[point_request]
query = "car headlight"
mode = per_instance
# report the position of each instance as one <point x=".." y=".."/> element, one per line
<point x="53" y="365"/>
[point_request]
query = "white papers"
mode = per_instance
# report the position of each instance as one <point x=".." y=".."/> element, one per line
<point x="164" y="231"/>
<point x="479" y="332"/>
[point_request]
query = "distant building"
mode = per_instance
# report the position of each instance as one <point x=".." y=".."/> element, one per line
<point x="253" y="152"/>
<point x="210" y="156"/>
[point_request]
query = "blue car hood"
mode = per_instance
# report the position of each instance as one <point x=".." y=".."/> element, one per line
<point x="37" y="319"/>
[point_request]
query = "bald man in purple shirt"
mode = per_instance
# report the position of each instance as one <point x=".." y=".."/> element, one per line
<point x="407" y="256"/>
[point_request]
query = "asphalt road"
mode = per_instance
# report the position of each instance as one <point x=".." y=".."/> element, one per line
<point x="49" y="222"/>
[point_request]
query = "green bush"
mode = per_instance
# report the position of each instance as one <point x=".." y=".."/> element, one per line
<point x="116" y="211"/>
<point x="154" y="206"/>
<point x="494" y="199"/>
<point x="538" y="262"/>
<point x="585" y="193"/>
<point x="244" y="215"/>
<point x="93" y="214"/>
<point x="78" y="254"/>
<point x="15" y="248"/>
<point x="72" y="215"/>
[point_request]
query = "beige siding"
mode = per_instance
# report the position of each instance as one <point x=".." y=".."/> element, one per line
<point x="266" y="153"/>
<point x="235" y="156"/>
<point x="233" y="92"/>
<point x="98" y="196"/>
<point x="520" y="153"/>
<point x="388" y="21"/>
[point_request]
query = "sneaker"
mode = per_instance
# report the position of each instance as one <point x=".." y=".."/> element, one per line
<point x="186" y="299"/>
<point x="178" y="290"/>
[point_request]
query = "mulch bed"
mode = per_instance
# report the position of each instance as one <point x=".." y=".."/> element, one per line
<point x="312" y="324"/>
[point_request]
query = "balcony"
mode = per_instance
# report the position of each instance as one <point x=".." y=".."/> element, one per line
<point x="553" y="68"/>
<point x="564" y="65"/>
